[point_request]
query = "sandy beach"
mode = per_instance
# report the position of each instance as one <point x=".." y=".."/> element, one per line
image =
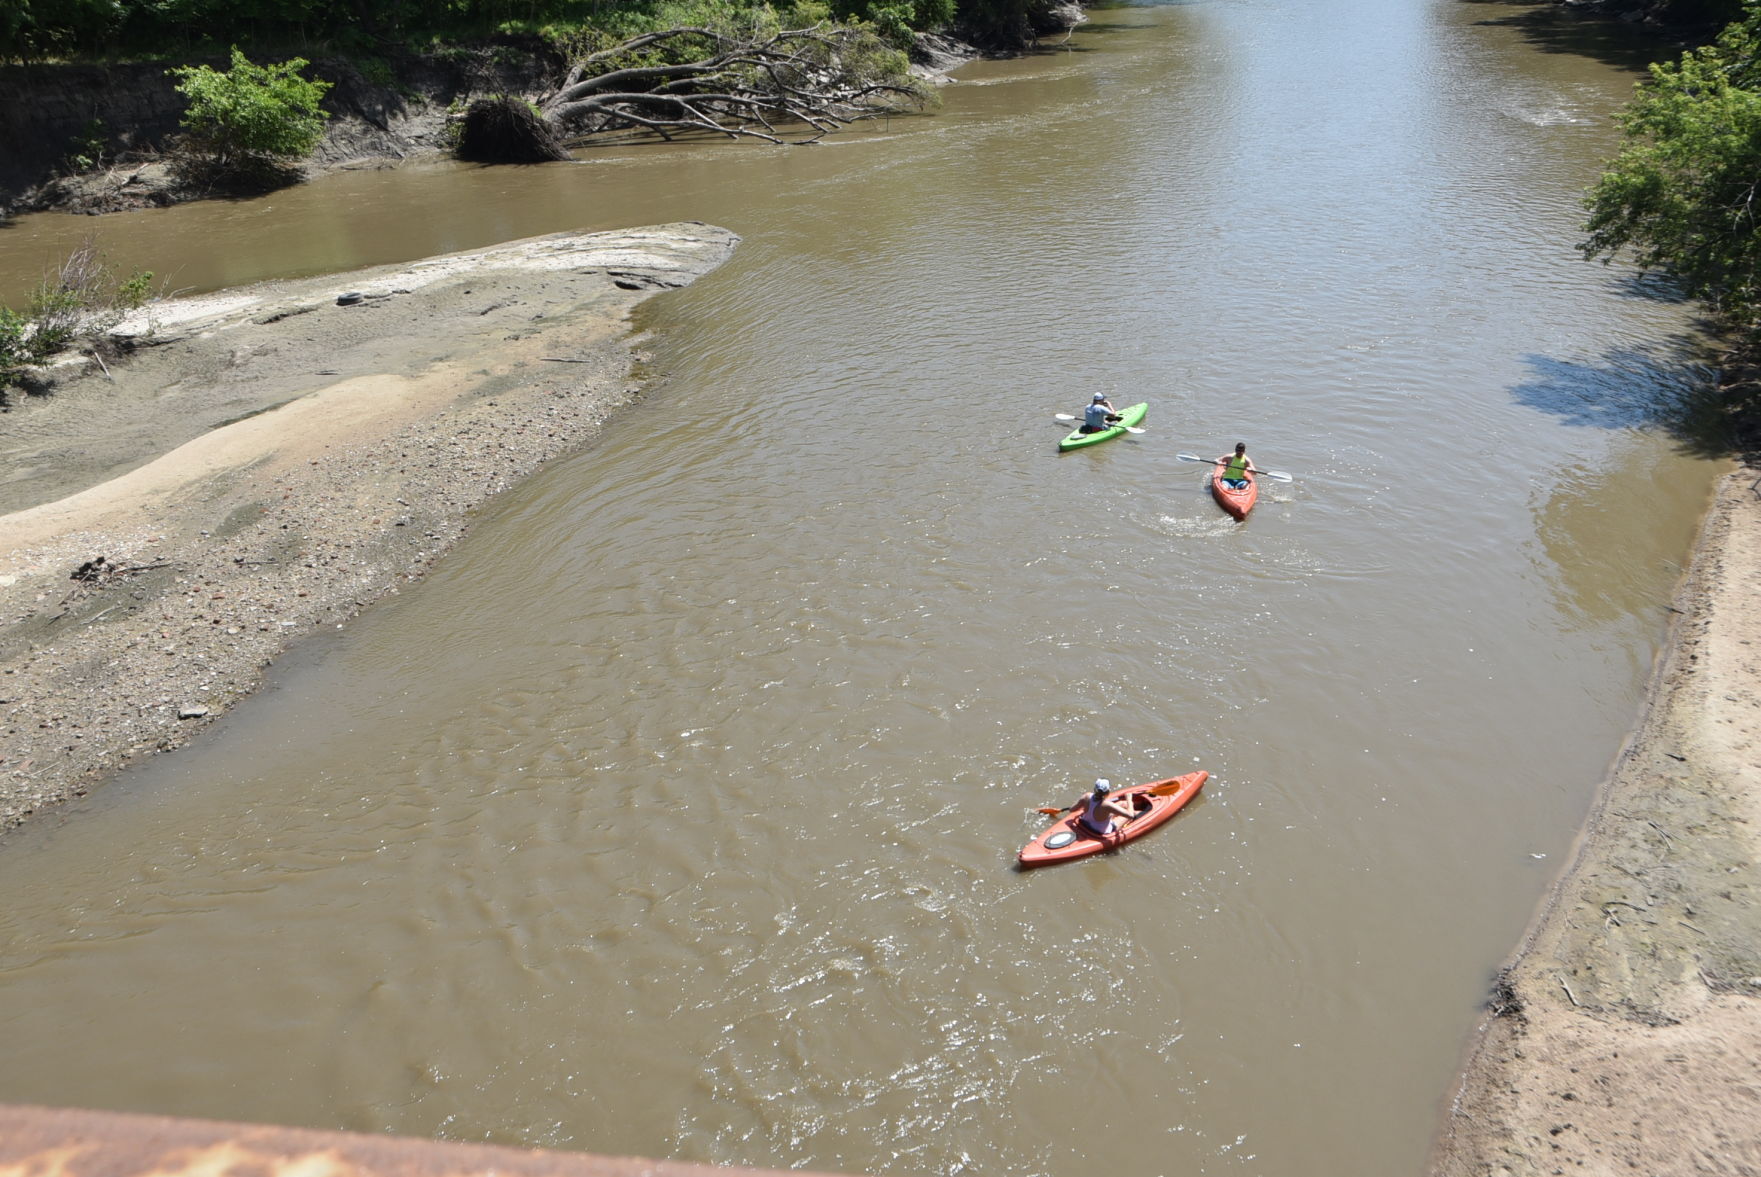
<point x="1624" y="1036"/>
<point x="268" y="461"/>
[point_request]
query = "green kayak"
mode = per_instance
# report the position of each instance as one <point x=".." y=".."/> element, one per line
<point x="1131" y="415"/>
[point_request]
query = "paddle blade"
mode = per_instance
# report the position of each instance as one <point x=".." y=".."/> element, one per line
<point x="1277" y="475"/>
<point x="1133" y="429"/>
<point x="1166" y="790"/>
<point x="1195" y="458"/>
<point x="1062" y="417"/>
<point x="1048" y="810"/>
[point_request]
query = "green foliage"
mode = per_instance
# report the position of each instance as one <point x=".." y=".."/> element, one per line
<point x="896" y="20"/>
<point x="56" y="314"/>
<point x="134" y="291"/>
<point x="376" y="70"/>
<point x="16" y="352"/>
<point x="859" y="54"/>
<point x="870" y="59"/>
<point x="1680" y="196"/>
<point x="88" y="148"/>
<point x="251" y="113"/>
<point x="892" y="21"/>
<point x="995" y="24"/>
<point x="79" y="298"/>
<point x="37" y="29"/>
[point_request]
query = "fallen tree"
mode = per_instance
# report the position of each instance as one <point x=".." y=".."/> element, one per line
<point x="761" y="82"/>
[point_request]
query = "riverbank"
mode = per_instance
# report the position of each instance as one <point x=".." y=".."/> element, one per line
<point x="371" y="124"/>
<point x="1624" y="1036"/>
<point x="270" y="460"/>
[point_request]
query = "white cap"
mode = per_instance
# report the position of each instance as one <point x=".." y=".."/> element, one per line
<point x="1103" y="783"/>
<point x="1100" y="396"/>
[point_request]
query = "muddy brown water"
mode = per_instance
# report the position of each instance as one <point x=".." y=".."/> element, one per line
<point x="675" y="813"/>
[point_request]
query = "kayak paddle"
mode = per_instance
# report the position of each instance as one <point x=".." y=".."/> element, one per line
<point x="1159" y="791"/>
<point x="1275" y="475"/>
<point x="1068" y="417"/>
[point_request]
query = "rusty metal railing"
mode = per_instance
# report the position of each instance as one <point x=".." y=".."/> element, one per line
<point x="68" y="1142"/>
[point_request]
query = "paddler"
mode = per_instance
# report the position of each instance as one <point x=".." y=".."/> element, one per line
<point x="1099" y="415"/>
<point x="1236" y="467"/>
<point x="1101" y="814"/>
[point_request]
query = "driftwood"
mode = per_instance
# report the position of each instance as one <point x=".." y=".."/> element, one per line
<point x="102" y="569"/>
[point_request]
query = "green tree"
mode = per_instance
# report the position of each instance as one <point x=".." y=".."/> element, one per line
<point x="896" y="20"/>
<point x="31" y="30"/>
<point x="250" y="117"/>
<point x="1681" y="195"/>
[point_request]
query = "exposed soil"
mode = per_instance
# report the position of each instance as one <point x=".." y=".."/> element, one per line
<point x="48" y="114"/>
<point x="45" y="110"/>
<point x="270" y="460"/>
<point x="1625" y="1036"/>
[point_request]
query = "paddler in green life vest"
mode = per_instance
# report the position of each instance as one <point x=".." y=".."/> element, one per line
<point x="1236" y="466"/>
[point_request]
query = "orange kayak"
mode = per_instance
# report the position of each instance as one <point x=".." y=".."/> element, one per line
<point x="1237" y="502"/>
<point x="1155" y="802"/>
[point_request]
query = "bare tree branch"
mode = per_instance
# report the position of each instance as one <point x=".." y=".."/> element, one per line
<point x="740" y="85"/>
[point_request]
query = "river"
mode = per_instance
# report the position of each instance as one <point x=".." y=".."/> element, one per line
<point x="675" y="813"/>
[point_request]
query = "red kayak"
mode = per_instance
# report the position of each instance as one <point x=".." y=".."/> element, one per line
<point x="1237" y="502"/>
<point x="1155" y="803"/>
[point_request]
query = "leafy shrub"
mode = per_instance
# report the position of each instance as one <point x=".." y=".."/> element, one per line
<point x="134" y="291"/>
<point x="250" y="115"/>
<point x="896" y="20"/>
<point x="79" y="298"/>
<point x="15" y="345"/>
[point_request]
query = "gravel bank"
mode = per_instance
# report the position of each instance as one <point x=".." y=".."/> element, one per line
<point x="271" y="460"/>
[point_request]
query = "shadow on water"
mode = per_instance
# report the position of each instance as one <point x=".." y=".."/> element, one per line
<point x="1652" y="286"/>
<point x="1719" y="419"/>
<point x="1554" y="29"/>
<point x="1671" y="386"/>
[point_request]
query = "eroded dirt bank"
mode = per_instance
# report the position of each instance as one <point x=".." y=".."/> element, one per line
<point x="272" y="459"/>
<point x="1625" y="1037"/>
